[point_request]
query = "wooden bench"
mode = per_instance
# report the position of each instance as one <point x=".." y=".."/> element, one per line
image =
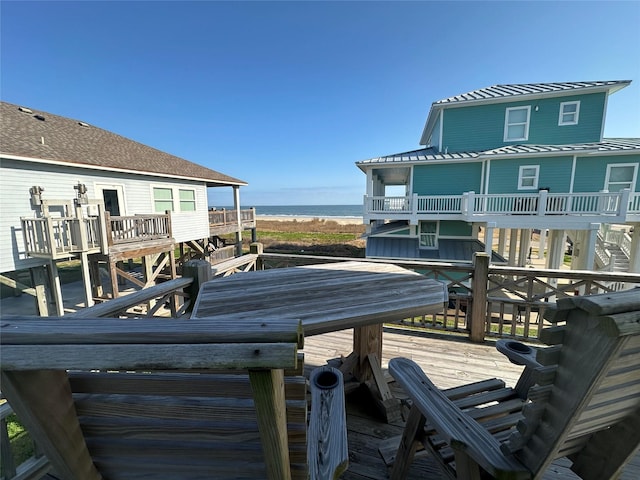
<point x="578" y="398"/>
<point x="165" y="399"/>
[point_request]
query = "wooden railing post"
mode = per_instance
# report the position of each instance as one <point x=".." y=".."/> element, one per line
<point x="200" y="271"/>
<point x="479" y="304"/>
<point x="257" y="248"/>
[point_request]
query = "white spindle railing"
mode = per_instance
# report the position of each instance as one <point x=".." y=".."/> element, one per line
<point x="541" y="203"/>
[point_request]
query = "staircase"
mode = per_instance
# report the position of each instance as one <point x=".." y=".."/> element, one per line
<point x="612" y="251"/>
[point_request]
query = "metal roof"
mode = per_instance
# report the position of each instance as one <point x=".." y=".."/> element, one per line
<point x="608" y="145"/>
<point x="39" y="136"/>
<point x="512" y="90"/>
<point x="422" y="155"/>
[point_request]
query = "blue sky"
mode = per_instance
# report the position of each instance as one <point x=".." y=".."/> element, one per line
<point x="287" y="96"/>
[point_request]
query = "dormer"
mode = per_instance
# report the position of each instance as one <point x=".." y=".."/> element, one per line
<point x="533" y="113"/>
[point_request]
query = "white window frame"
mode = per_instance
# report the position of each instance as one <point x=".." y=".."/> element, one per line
<point x="180" y="200"/>
<point x="175" y="198"/>
<point x="526" y="124"/>
<point x="614" y="165"/>
<point x="434" y="235"/>
<point x="576" y="119"/>
<point x="535" y="178"/>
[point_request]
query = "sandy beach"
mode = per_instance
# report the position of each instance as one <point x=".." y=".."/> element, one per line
<point x="289" y="218"/>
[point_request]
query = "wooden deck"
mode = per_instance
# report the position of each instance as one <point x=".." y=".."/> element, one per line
<point x="449" y="361"/>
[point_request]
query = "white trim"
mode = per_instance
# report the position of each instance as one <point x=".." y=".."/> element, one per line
<point x="488" y="175"/>
<point x="526" y="124"/>
<point x="435" y="235"/>
<point x="441" y="130"/>
<point x="573" y="173"/>
<point x="535" y="179"/>
<point x="604" y="114"/>
<point x="164" y="186"/>
<point x="614" y="165"/>
<point x="195" y="199"/>
<point x="482" y="173"/>
<point x="99" y="187"/>
<point x="121" y="170"/>
<point x="561" y="113"/>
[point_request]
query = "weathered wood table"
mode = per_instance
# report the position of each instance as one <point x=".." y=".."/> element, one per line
<point x="329" y="297"/>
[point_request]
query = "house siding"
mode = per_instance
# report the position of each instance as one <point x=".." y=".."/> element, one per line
<point x="554" y="174"/>
<point x="447" y="179"/>
<point x="58" y="181"/>
<point x="592" y="170"/>
<point x="481" y="127"/>
<point x="455" y="228"/>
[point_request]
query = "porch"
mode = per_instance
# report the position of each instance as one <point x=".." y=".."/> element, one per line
<point x="533" y="210"/>
<point x="450" y="360"/>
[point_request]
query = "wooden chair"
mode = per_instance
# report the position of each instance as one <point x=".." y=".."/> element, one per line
<point x="579" y="398"/>
<point x="164" y="399"/>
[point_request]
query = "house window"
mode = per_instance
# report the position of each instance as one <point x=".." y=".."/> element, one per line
<point x="528" y="177"/>
<point x="621" y="176"/>
<point x="428" y="234"/>
<point x="187" y="200"/>
<point x="516" y="123"/>
<point x="162" y="199"/>
<point x="569" y="113"/>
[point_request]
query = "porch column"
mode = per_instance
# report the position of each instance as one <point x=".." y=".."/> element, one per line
<point x="542" y="242"/>
<point x="634" y="258"/>
<point x="488" y="238"/>
<point x="513" y="245"/>
<point x="57" y="289"/>
<point x="236" y="206"/>
<point x="86" y="279"/>
<point x="502" y="239"/>
<point x="591" y="237"/>
<point x="556" y="249"/>
<point x="525" y="244"/>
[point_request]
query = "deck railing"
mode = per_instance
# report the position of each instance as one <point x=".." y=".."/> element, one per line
<point x="60" y="237"/>
<point x="471" y="204"/>
<point x="137" y="228"/>
<point x="31" y="468"/>
<point x="516" y="298"/>
<point x="230" y="217"/>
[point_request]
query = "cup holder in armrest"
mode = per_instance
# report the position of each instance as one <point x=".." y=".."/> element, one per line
<point x="517" y="352"/>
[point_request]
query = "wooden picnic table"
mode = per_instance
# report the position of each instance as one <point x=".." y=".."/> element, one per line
<point x="329" y="297"/>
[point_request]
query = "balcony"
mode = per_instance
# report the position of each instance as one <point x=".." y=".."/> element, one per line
<point x="535" y="210"/>
<point x="226" y="221"/>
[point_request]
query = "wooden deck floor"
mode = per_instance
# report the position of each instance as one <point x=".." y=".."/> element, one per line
<point x="449" y="362"/>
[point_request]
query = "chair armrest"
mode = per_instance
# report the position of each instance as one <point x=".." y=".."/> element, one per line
<point x="327" y="452"/>
<point x="456" y="428"/>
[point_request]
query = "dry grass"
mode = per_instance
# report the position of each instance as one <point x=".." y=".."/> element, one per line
<point x="315" y="237"/>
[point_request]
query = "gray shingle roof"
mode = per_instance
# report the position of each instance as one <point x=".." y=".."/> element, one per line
<point x="502" y="91"/>
<point x="44" y="136"/>
<point x="608" y="145"/>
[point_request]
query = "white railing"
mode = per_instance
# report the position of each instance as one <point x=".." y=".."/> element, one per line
<point x="389" y="204"/>
<point x="439" y="204"/>
<point x="542" y="203"/>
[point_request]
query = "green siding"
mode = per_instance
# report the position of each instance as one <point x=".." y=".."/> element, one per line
<point x="481" y="127"/>
<point x="455" y="228"/>
<point x="592" y="170"/>
<point x="554" y="174"/>
<point x="447" y="178"/>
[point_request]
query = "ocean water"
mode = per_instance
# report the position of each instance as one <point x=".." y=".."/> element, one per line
<point x="320" y="211"/>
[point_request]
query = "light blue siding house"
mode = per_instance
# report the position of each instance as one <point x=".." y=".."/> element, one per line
<point x="511" y="159"/>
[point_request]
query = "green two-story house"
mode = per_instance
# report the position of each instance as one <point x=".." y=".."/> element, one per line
<point x="503" y="162"/>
